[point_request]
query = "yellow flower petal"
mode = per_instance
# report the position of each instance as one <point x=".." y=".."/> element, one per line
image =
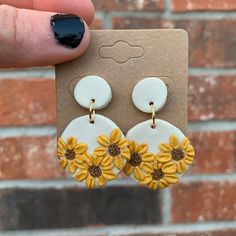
<point x="185" y="143"/>
<point x="109" y="175"/>
<point x="81" y="166"/>
<point x="60" y="153"/>
<point x="72" y="167"/>
<point x="90" y="182"/>
<point x="163" y="183"/>
<point x="79" y="159"/>
<point x="119" y="163"/>
<point x="157" y="165"/>
<point x="97" y="160"/>
<point x="146" y="180"/>
<point x="81" y="175"/>
<point x="63" y="163"/>
<point x="171" y="178"/>
<point x="109" y="167"/>
<point x="103" y="140"/>
<point x="80" y="148"/>
<point x="142" y="148"/>
<point x="87" y="158"/>
<point x="174" y="141"/>
<point x="148" y="157"/>
<point x="115" y="136"/>
<point x="61" y="144"/>
<point x="101" y="181"/>
<point x="147" y="167"/>
<point x="153" y="185"/>
<point x="123" y="143"/>
<point x="100" y="151"/>
<point x="133" y="147"/>
<point x="181" y="167"/>
<point x="71" y="143"/>
<point x="163" y="157"/>
<point x="125" y="153"/>
<point x="164" y="147"/>
<point x="190" y="151"/>
<point x="169" y="167"/>
<point x="128" y="169"/>
<point x="138" y="174"/>
<point x="107" y="161"/>
<point x="188" y="160"/>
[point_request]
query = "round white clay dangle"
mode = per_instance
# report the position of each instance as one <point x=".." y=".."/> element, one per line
<point x="92" y="148"/>
<point x="159" y="151"/>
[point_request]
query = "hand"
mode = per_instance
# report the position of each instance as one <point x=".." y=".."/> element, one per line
<point x="33" y="34"/>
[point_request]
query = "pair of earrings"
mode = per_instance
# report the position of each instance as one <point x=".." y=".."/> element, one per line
<point x="94" y="150"/>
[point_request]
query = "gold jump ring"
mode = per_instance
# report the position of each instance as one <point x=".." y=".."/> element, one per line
<point x="153" y="116"/>
<point x="91" y="112"/>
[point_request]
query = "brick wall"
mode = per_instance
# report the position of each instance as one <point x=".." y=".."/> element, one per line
<point x="35" y="194"/>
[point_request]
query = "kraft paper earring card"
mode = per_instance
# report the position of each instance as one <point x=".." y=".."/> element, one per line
<point x="123" y="58"/>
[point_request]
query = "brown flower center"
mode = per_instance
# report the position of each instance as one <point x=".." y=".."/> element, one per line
<point x="70" y="155"/>
<point x="95" y="171"/>
<point x="114" y="150"/>
<point x="177" y="154"/>
<point x="135" y="159"/>
<point x="158" y="174"/>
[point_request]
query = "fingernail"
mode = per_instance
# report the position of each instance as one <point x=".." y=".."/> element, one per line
<point x="68" y="29"/>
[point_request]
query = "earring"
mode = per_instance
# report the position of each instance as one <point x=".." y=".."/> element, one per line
<point x="159" y="151"/>
<point x="92" y="148"/>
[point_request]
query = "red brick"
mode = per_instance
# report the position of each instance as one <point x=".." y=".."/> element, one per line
<point x="27" y="102"/>
<point x="212" y="42"/>
<point x="203" y="201"/>
<point x="215" y="152"/>
<point x="203" y="5"/>
<point x="96" y="24"/>
<point x="29" y="158"/>
<point x="131" y="5"/>
<point x="212" y="98"/>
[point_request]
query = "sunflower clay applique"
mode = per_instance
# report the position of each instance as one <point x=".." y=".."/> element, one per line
<point x="160" y="153"/>
<point x="92" y="148"/>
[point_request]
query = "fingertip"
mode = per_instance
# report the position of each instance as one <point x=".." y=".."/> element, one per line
<point x="70" y="44"/>
<point x="90" y="10"/>
<point x="70" y="54"/>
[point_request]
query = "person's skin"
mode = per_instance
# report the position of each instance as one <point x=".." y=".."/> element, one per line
<point x="26" y="35"/>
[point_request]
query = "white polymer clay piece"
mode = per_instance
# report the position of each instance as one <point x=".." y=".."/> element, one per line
<point x="144" y="133"/>
<point x="150" y="89"/>
<point x="85" y="132"/>
<point x="93" y="87"/>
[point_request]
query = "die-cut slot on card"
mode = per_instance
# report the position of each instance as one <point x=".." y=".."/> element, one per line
<point x="123" y="58"/>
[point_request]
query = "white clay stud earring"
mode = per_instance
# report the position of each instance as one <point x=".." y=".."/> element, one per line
<point x="92" y="148"/>
<point x="159" y="151"/>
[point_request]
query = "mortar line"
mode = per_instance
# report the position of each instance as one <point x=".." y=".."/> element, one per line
<point x="212" y="126"/>
<point x="168" y="15"/>
<point x="166" y="206"/>
<point x="30" y="131"/>
<point x="70" y="183"/>
<point x="28" y="73"/>
<point x="129" y="229"/>
<point x="167" y="12"/>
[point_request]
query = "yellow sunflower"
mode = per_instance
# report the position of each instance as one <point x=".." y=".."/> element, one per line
<point x="114" y="146"/>
<point x="159" y="175"/>
<point x="182" y="153"/>
<point x="70" y="153"/>
<point x="95" y="170"/>
<point x="139" y="158"/>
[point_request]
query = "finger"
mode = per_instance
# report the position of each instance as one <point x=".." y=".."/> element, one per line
<point x="82" y="8"/>
<point x="33" y="38"/>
